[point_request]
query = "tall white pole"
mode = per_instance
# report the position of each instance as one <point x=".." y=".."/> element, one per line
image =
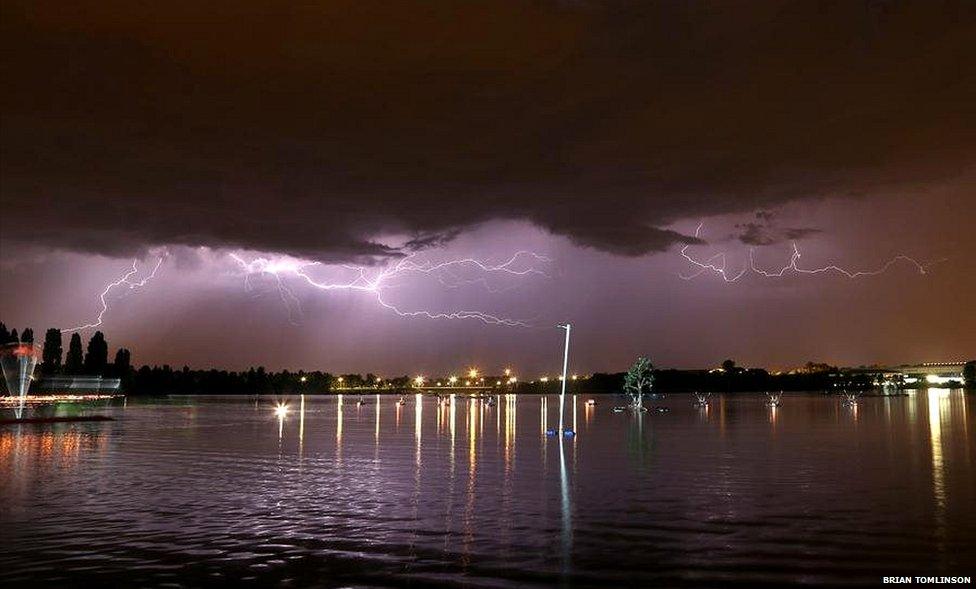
<point x="562" y="394"/>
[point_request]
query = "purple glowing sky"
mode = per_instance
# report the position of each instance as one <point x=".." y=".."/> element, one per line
<point x="197" y="310"/>
<point x="599" y="135"/>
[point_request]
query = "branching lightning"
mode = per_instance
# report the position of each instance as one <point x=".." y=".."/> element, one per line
<point x="126" y="281"/>
<point x="450" y="274"/>
<point x="718" y="264"/>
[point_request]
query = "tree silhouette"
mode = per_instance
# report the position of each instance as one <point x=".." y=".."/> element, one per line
<point x="73" y="361"/>
<point x="4" y="334"/>
<point x="52" y="351"/>
<point x="96" y="357"/>
<point x="729" y="366"/>
<point x="122" y="367"/>
<point x="28" y="336"/>
<point x="14" y="337"/>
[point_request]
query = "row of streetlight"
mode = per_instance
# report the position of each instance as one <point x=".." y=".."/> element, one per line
<point x="473" y="378"/>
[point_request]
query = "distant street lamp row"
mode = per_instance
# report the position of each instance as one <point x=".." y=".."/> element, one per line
<point x="473" y="379"/>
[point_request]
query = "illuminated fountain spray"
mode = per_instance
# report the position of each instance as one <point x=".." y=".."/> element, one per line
<point x="701" y="399"/>
<point x="18" y="361"/>
<point x="850" y="398"/>
<point x="773" y="399"/>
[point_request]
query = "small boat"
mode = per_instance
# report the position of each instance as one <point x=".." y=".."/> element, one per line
<point x="401" y="401"/>
<point x="661" y="409"/>
<point x="619" y="409"/>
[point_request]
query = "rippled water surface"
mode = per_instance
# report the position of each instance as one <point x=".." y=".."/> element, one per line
<point x="212" y="491"/>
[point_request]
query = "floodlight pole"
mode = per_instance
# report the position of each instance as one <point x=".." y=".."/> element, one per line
<point x="562" y="395"/>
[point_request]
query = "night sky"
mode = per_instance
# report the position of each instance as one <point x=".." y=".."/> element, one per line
<point x="597" y="134"/>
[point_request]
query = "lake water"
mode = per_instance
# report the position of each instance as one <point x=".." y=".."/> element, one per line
<point x="220" y="491"/>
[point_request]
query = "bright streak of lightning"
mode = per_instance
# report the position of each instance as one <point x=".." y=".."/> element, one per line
<point x="718" y="264"/>
<point x="125" y="280"/>
<point x="375" y="284"/>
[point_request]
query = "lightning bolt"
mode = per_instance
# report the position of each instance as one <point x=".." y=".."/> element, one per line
<point x="718" y="264"/>
<point x="124" y="280"/>
<point x="451" y="274"/>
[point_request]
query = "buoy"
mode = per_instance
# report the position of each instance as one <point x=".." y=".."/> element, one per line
<point x="550" y="432"/>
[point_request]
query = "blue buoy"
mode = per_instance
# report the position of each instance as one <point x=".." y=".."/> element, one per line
<point x="569" y="433"/>
<point x="550" y="432"/>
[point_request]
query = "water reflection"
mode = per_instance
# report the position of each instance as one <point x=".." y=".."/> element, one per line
<point x="566" y="513"/>
<point x="936" y="397"/>
<point x="376" y="437"/>
<point x="712" y="490"/>
<point x="29" y="455"/>
<point x="338" y="448"/>
<point x="301" y="426"/>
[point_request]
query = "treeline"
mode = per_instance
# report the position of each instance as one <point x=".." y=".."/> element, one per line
<point x="748" y="380"/>
<point x="164" y="380"/>
<point x="732" y="378"/>
<point x="91" y="360"/>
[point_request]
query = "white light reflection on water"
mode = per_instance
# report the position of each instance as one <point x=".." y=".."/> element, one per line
<point x="507" y="523"/>
<point x="936" y="397"/>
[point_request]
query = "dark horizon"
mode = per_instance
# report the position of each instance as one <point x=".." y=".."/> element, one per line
<point x="111" y="349"/>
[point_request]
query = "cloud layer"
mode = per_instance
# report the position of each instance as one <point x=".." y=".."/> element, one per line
<point x="315" y="130"/>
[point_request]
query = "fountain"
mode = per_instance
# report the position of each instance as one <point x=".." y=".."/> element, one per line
<point x="701" y="399"/>
<point x="773" y="399"/>
<point x="18" y="361"/>
<point x="850" y="398"/>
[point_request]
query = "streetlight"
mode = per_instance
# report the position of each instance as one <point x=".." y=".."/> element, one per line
<point x="452" y="381"/>
<point x="418" y="381"/>
<point x="473" y="373"/>
<point x="562" y="395"/>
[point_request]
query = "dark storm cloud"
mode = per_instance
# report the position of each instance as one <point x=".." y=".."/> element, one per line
<point x="801" y="232"/>
<point x="422" y="242"/>
<point x="763" y="231"/>
<point x="755" y="234"/>
<point x="315" y="129"/>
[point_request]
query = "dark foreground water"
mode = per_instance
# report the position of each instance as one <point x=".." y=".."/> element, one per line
<point x="220" y="491"/>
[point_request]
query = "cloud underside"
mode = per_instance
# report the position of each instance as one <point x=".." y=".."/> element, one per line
<point x="313" y="130"/>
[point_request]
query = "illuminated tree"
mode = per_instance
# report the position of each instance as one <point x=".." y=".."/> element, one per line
<point x="639" y="381"/>
<point x="53" y="348"/>
<point x="73" y="361"/>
